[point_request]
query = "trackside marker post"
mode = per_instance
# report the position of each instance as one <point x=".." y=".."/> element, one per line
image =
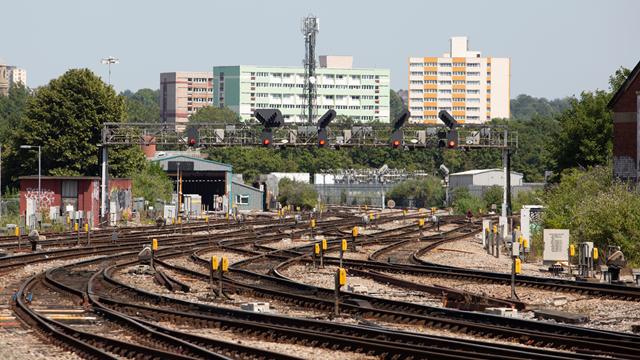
<point x="223" y="268"/>
<point x="154" y="247"/>
<point x="341" y="279"/>
<point x="214" y="268"/>
<point x="343" y="248"/>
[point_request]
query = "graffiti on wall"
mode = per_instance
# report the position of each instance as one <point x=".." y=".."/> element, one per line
<point x="121" y="201"/>
<point x="46" y="196"/>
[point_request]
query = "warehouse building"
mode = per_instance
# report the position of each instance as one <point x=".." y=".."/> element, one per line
<point x="212" y="181"/>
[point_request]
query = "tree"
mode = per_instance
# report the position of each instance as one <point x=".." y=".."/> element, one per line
<point x="616" y="80"/>
<point x="395" y="105"/>
<point x="142" y="106"/>
<point x="585" y="134"/>
<point x="215" y="114"/>
<point x="152" y="183"/>
<point x="11" y="109"/>
<point x="297" y="193"/>
<point x="65" y="119"/>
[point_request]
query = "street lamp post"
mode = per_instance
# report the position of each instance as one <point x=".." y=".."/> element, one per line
<point x="110" y="60"/>
<point x="39" y="169"/>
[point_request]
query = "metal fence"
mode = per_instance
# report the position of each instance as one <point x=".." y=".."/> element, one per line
<point x="478" y="190"/>
<point x="352" y="194"/>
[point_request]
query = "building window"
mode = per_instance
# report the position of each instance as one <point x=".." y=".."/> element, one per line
<point x="430" y="73"/>
<point x="458" y="108"/>
<point x="473" y="74"/>
<point x="338" y="76"/>
<point x="444" y="108"/>
<point x="458" y="99"/>
<point x="430" y="108"/>
<point x="416" y="82"/>
<point x="430" y="82"/>
<point x="473" y="100"/>
<point x="355" y="98"/>
<point x="263" y="74"/>
<point x="416" y="91"/>
<point x="444" y="82"/>
<point x="473" y="109"/>
<point x="457" y="64"/>
<point x="416" y="73"/>
<point x="430" y="117"/>
<point x="473" y="118"/>
<point x="242" y="199"/>
<point x="444" y="74"/>
<point x="444" y="100"/>
<point x="488" y="65"/>
<point x="416" y="65"/>
<point x="444" y="91"/>
<point x="459" y="73"/>
<point x="444" y="64"/>
<point x="473" y="65"/>
<point x="430" y="90"/>
<point x="458" y="117"/>
<point x="430" y="64"/>
<point x="416" y="108"/>
<point x="458" y="82"/>
<point x="473" y="82"/>
<point x="367" y="77"/>
<point x="459" y="91"/>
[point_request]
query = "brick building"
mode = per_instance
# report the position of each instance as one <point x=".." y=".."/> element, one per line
<point x="626" y="119"/>
<point x="74" y="193"/>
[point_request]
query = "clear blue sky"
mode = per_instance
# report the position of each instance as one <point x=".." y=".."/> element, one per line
<point x="557" y="48"/>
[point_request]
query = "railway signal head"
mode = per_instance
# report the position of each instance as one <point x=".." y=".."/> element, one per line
<point x="326" y="119"/>
<point x="267" y="138"/>
<point x="447" y="119"/>
<point x="323" y="138"/>
<point x="192" y="137"/>
<point x="396" y="138"/>
<point x="402" y="118"/>
<point x="269" y="117"/>
<point x="452" y="139"/>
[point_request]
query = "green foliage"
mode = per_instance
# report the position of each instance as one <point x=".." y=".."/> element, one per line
<point x="525" y="107"/>
<point x="585" y="134"/>
<point x="493" y="195"/>
<point x="616" y="80"/>
<point x="596" y="207"/>
<point x="396" y="106"/>
<point x="215" y="114"/>
<point x="297" y="193"/>
<point x="142" y="106"/>
<point x="463" y="201"/>
<point x="65" y="118"/>
<point x="152" y="183"/>
<point x="11" y="109"/>
<point x="429" y="190"/>
<point x="533" y="197"/>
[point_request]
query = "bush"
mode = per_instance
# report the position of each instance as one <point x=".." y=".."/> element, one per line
<point x="429" y="190"/>
<point x="463" y="201"/>
<point x="596" y="207"/>
<point x="152" y="183"/>
<point x="297" y="193"/>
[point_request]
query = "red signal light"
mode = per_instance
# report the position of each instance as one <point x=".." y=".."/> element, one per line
<point x="452" y="143"/>
<point x="396" y="143"/>
<point x="321" y="142"/>
<point x="266" y="142"/>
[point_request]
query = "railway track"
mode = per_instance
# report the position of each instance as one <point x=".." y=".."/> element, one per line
<point x="89" y="288"/>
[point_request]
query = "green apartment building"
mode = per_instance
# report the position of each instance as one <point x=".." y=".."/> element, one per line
<point x="362" y="94"/>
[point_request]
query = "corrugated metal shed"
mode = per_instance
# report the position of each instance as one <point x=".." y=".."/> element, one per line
<point x="487" y="177"/>
<point x="198" y="164"/>
<point x="247" y="197"/>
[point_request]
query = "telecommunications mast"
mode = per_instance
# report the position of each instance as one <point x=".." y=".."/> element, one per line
<point x="310" y="26"/>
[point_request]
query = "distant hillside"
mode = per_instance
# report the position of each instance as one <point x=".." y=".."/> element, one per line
<point x="525" y="107"/>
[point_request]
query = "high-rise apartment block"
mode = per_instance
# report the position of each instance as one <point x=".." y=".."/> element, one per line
<point x="471" y="88"/>
<point x="4" y="78"/>
<point x="362" y="94"/>
<point x="17" y="75"/>
<point x="183" y="93"/>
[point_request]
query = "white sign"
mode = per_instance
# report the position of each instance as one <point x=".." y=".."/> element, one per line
<point x="69" y="208"/>
<point x="503" y="224"/>
<point x="556" y="245"/>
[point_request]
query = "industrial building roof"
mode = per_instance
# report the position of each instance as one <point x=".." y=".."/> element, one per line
<point x="475" y="172"/>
